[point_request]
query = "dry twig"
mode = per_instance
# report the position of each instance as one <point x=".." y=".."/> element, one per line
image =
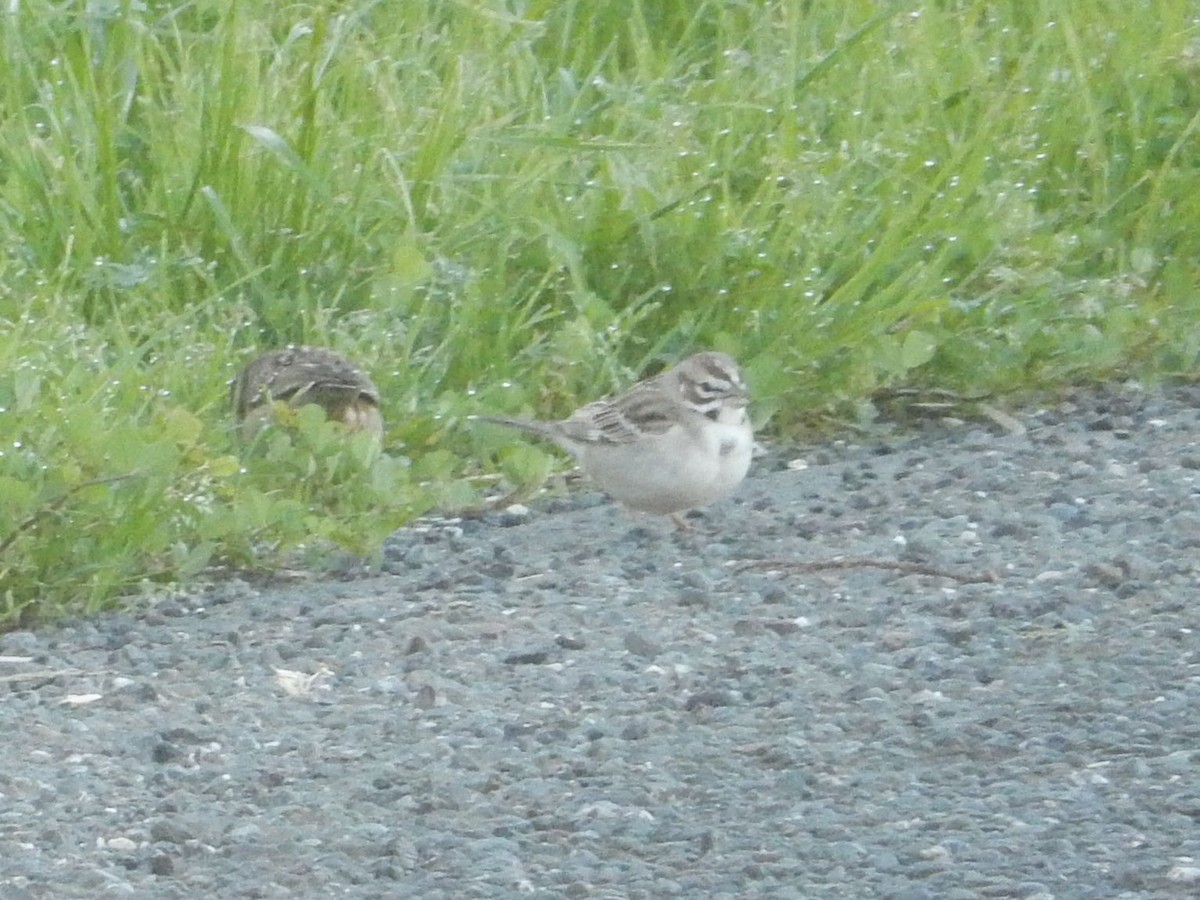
<point x="896" y="565"/>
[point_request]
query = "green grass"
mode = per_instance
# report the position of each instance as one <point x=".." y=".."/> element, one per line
<point x="519" y="205"/>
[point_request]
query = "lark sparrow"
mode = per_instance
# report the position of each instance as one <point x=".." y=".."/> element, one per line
<point x="300" y="375"/>
<point x="677" y="441"/>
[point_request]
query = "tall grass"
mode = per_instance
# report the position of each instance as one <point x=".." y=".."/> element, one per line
<point x="517" y="205"/>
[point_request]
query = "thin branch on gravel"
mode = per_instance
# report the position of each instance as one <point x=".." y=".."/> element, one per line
<point x="53" y="506"/>
<point x="906" y="568"/>
<point x="943" y="402"/>
<point x="45" y="677"/>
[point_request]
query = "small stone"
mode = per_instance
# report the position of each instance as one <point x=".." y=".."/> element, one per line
<point x="641" y="646"/>
<point x="635" y="731"/>
<point x="746" y="627"/>
<point x="162" y="865"/>
<point x="426" y="697"/>
<point x="1107" y="575"/>
<point x="783" y="627"/>
<point x="244" y="833"/>
<point x="390" y="684"/>
<point x="708" y="698"/>
<point x="530" y="658"/>
<point x="1184" y="874"/>
<point x="169" y="832"/>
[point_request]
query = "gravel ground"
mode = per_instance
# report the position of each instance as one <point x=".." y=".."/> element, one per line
<point x="578" y="702"/>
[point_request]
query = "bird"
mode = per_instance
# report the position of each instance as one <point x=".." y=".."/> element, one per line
<point x="674" y="442"/>
<point x="298" y="375"/>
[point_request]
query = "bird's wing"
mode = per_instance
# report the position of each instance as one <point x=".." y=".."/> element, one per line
<point x="624" y="419"/>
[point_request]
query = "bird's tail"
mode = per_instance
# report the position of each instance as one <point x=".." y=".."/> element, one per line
<point x="541" y="429"/>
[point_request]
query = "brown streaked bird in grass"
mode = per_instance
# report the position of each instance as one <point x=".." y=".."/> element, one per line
<point x="674" y="442"/>
<point x="301" y="375"/>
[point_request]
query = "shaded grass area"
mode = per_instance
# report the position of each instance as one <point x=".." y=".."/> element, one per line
<point x="518" y="206"/>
